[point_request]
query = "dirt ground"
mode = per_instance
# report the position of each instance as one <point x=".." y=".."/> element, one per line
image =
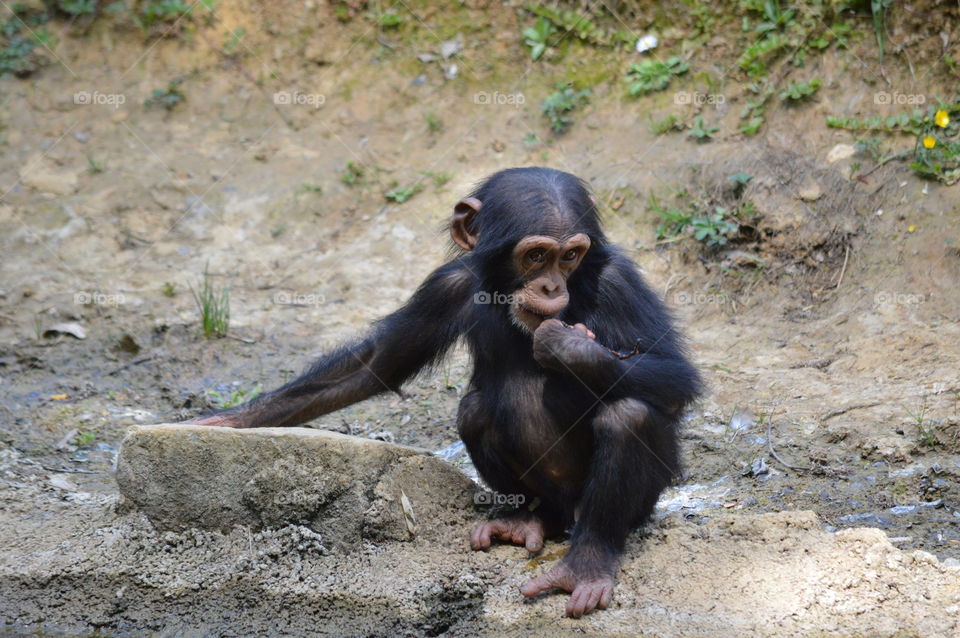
<point x="834" y="367"/>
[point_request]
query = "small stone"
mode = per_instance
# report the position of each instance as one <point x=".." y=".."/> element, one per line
<point x="62" y="483"/>
<point x="40" y="173"/>
<point x="810" y="191"/>
<point x="841" y="152"/>
<point x="452" y="47"/>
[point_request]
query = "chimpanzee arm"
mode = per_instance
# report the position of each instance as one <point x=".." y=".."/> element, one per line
<point x="630" y="314"/>
<point x="399" y="346"/>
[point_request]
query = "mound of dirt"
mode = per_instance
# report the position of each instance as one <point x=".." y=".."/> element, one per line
<point x="76" y="565"/>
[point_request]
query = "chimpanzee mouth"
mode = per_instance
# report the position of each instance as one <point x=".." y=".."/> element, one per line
<point x="530" y="311"/>
<point x="528" y="319"/>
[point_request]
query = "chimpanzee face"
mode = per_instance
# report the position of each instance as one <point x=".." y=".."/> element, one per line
<point x="550" y="249"/>
<point x="543" y="264"/>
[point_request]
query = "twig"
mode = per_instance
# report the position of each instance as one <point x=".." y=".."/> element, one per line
<point x="773" y="452"/>
<point x="637" y="348"/>
<point x="857" y="406"/>
<point x="846" y="255"/>
<point x="69" y="470"/>
<point x="884" y="160"/>
<point x="129" y="364"/>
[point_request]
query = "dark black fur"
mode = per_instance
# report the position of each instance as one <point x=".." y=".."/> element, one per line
<point x="600" y="443"/>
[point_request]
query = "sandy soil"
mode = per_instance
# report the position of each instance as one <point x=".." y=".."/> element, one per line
<point x="834" y="368"/>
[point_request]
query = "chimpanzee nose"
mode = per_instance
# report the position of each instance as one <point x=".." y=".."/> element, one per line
<point x="549" y="287"/>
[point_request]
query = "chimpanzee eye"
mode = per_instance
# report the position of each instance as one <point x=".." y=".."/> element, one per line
<point x="570" y="255"/>
<point x="537" y="255"/>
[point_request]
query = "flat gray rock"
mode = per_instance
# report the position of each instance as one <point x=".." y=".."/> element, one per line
<point x="344" y="487"/>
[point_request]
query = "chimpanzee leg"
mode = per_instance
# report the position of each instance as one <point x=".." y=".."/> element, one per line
<point x="525" y="526"/>
<point x="634" y="459"/>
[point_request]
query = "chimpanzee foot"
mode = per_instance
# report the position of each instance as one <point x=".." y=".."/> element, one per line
<point x="587" y="594"/>
<point x="521" y="529"/>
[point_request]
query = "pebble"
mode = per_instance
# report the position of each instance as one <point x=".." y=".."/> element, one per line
<point x="868" y="518"/>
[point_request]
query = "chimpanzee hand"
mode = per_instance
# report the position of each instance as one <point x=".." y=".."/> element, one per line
<point x="219" y="420"/>
<point x="566" y="348"/>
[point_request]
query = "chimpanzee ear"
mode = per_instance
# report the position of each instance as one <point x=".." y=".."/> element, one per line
<point x="461" y="224"/>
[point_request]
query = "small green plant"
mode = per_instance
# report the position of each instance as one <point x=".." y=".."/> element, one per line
<point x="741" y="179"/>
<point x="752" y="114"/>
<point x="912" y="123"/>
<point x="559" y="104"/>
<point x="440" y="178"/>
<point x="701" y="131"/>
<point x="672" y="219"/>
<point x="401" y="194"/>
<point x="708" y="224"/>
<point x="434" y="123"/>
<point x="653" y="75"/>
<point x="797" y="91"/>
<point x="389" y="19"/>
<point x="352" y="173"/>
<point x="878" y="9"/>
<point x="77" y="7"/>
<point x="936" y="131"/>
<point x="94" y="167"/>
<point x="84" y="439"/>
<point x="227" y="400"/>
<point x="669" y="124"/>
<point x="308" y="187"/>
<point x="777" y="33"/>
<point x="155" y="13"/>
<point x="214" y="306"/>
<point x="873" y="146"/>
<point x="936" y="153"/>
<point x="712" y="228"/>
<point x="579" y="25"/>
<point x="232" y="43"/>
<point x="20" y="35"/>
<point x="168" y="289"/>
<point x="538" y="36"/>
<point x="167" y="98"/>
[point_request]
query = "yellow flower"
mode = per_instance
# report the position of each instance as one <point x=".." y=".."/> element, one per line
<point x="911" y="228"/>
<point x="929" y="142"/>
<point x="942" y="118"/>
